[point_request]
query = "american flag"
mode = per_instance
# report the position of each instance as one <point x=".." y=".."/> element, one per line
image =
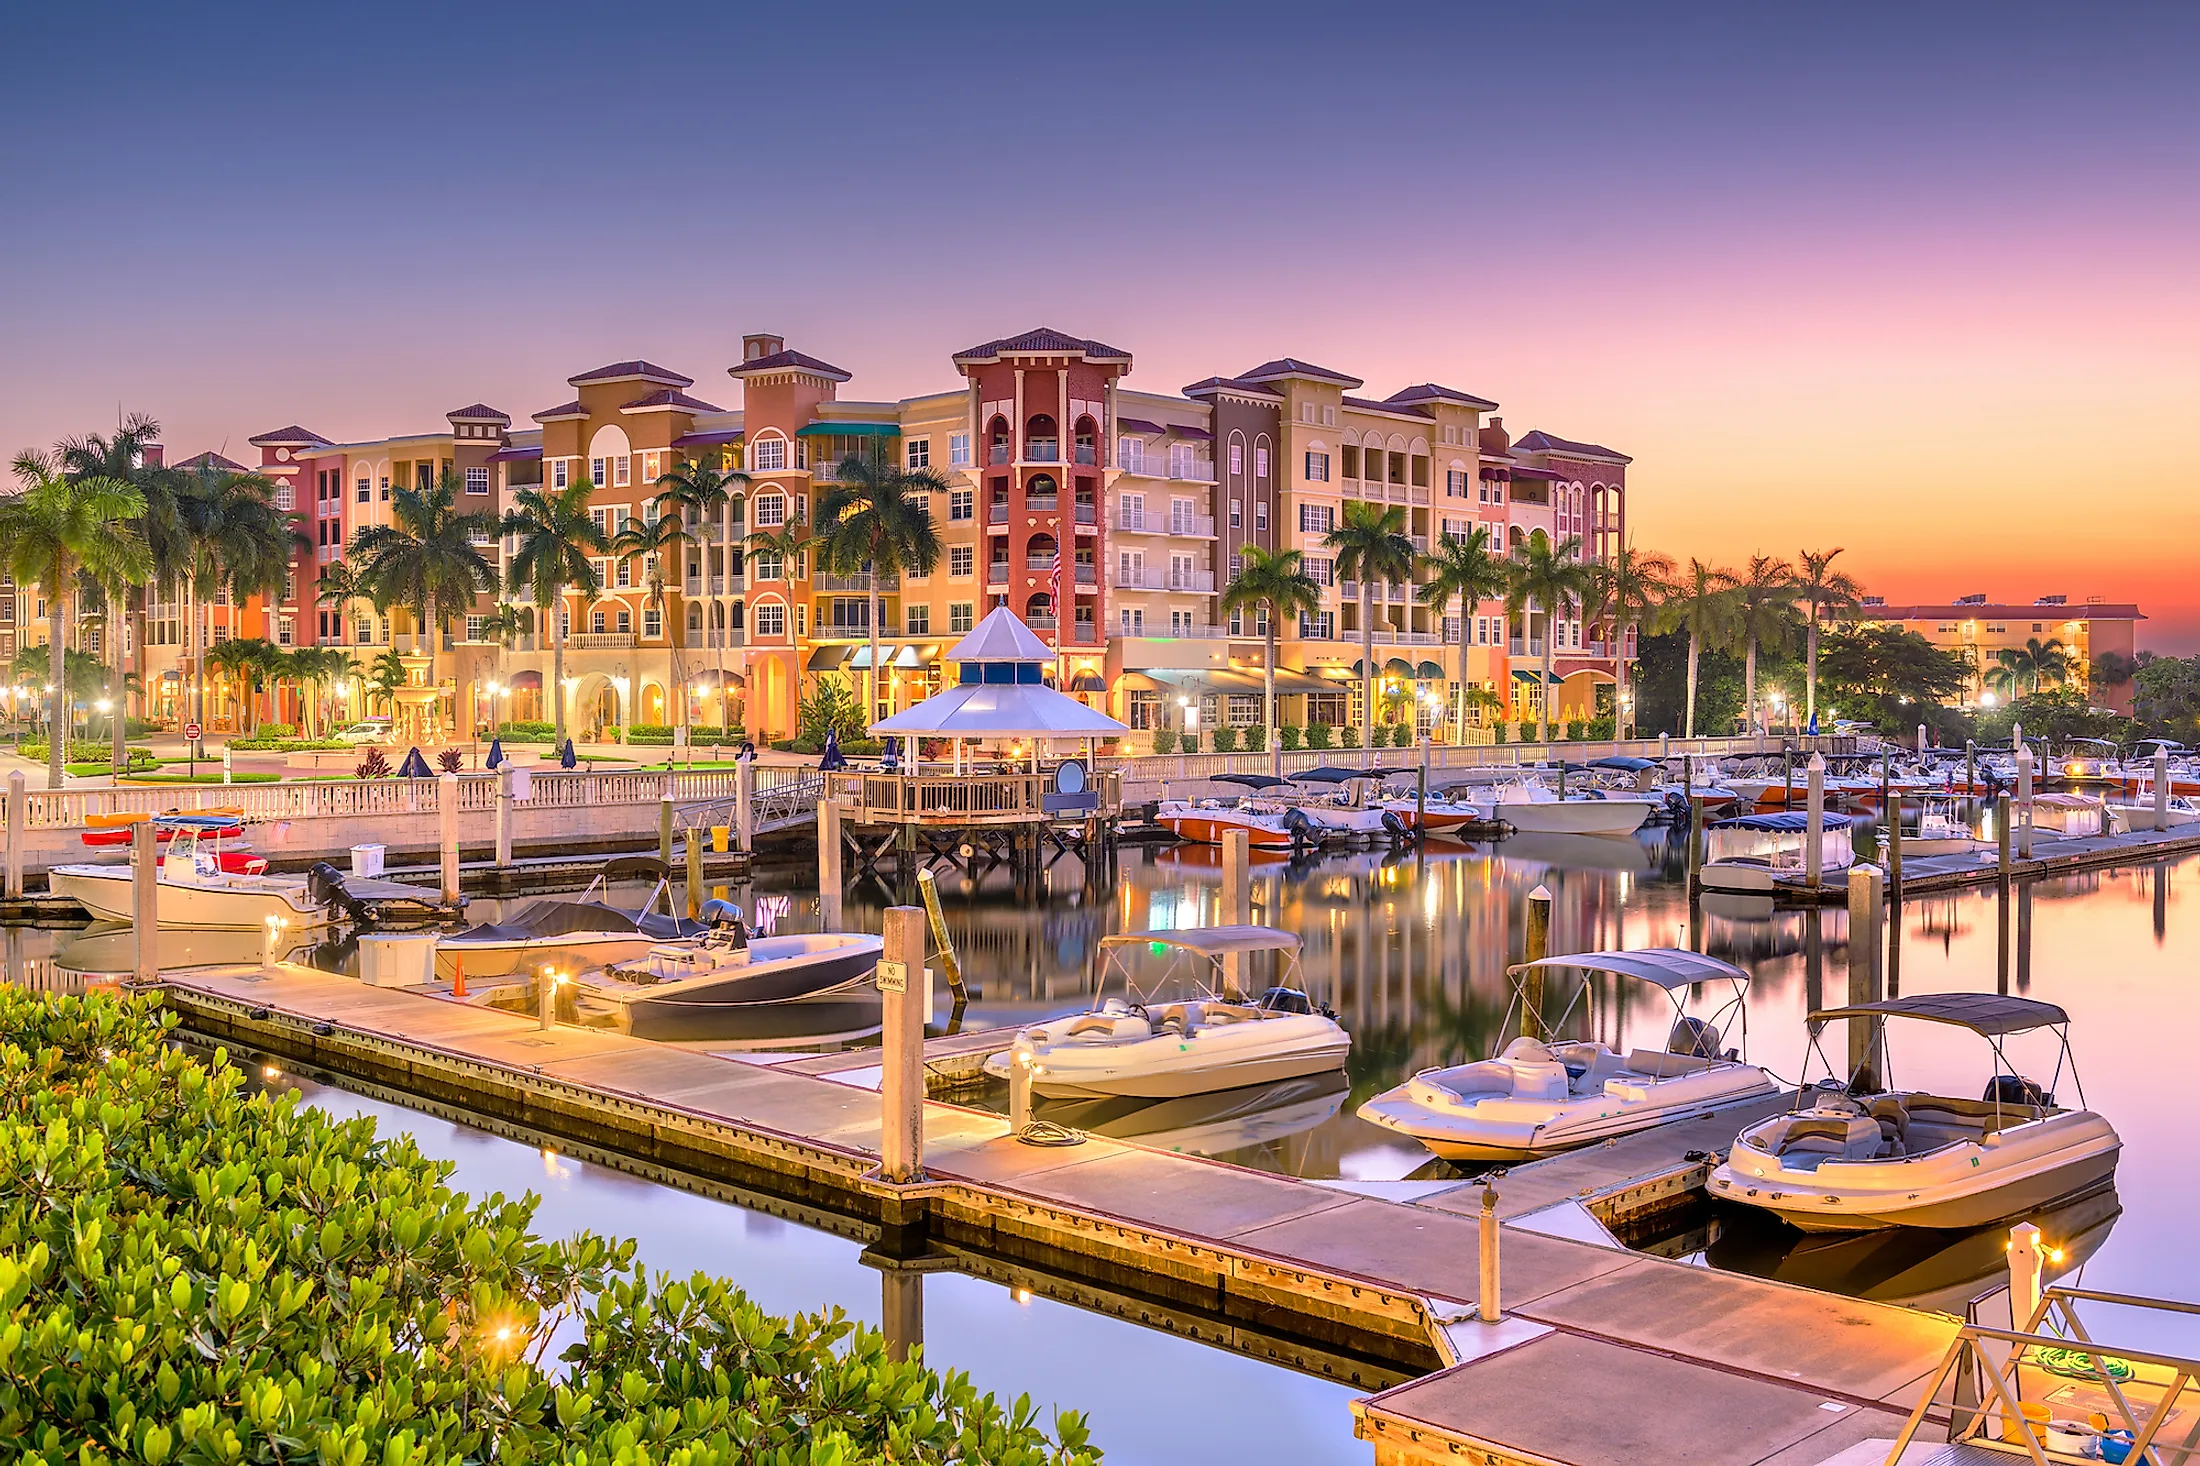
<point x="1054" y="589"/>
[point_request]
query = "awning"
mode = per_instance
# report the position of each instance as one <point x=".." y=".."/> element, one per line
<point x="1989" y="1014"/>
<point x="829" y="658"/>
<point x="1181" y="431"/>
<point x="1138" y="682"/>
<point x="1210" y="941"/>
<point x="1088" y="682"/>
<point x="905" y="657"/>
<point x="828" y="428"/>
<point x="1594" y="674"/>
<point x="1528" y="674"/>
<point x="1397" y="667"/>
<point x="1430" y="670"/>
<point x="1140" y="426"/>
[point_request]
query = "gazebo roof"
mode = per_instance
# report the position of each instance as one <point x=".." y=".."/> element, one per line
<point x="1000" y="637"/>
<point x="999" y="710"/>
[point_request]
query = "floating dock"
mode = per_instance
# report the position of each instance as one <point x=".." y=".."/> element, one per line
<point x="1602" y="1355"/>
<point x="1925" y="875"/>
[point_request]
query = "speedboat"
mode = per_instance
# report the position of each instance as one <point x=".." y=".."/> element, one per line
<point x="572" y="935"/>
<point x="1859" y="1157"/>
<point x="2138" y="814"/>
<point x="1137" y="1045"/>
<point x="1541" y="1096"/>
<point x="1529" y="805"/>
<point x="1942" y="831"/>
<point x="1206" y="821"/>
<point x="200" y="884"/>
<point x="1343" y="811"/>
<point x="1752" y="851"/>
<point x="673" y="986"/>
<point x="1435" y="814"/>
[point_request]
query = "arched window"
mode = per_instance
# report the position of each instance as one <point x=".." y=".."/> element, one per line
<point x="1042" y="439"/>
<point x="1088" y="440"/>
<point x="996" y="438"/>
<point x="1042" y="493"/>
<point x="1040" y="552"/>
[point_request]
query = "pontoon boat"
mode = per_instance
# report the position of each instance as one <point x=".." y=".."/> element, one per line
<point x="1751" y="852"/>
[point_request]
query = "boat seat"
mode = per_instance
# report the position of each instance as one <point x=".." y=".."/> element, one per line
<point x="1213" y="1013"/>
<point x="1656" y="1064"/>
<point x="1812" y="1140"/>
<point x="1091" y="1023"/>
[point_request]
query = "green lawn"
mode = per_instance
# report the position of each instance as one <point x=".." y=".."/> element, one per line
<point x="213" y="778"/>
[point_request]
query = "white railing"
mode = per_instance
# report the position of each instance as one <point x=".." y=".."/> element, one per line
<point x="602" y="641"/>
<point x="1202" y="525"/>
<point x="1153" y="769"/>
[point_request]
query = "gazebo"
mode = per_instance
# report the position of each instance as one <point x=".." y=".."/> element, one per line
<point x="1000" y="696"/>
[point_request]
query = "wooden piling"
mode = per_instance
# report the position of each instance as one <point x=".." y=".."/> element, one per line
<point x="664" y="827"/>
<point x="145" y="901"/>
<point x="1490" y="1306"/>
<point x="694" y="874"/>
<point x="829" y="879"/>
<point x="446" y="813"/>
<point x="505" y="779"/>
<point x="2001" y="837"/>
<point x="901" y="1085"/>
<point x="18" y="811"/>
<point x="1865" y="917"/>
<point x="744" y="803"/>
<point x="1536" y="947"/>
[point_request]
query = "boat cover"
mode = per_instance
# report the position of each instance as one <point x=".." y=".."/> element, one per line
<point x="1252" y="781"/>
<point x="1329" y="774"/>
<point x="1622" y="761"/>
<point x="1787" y="821"/>
<point x="1211" y="941"/>
<point x="1668" y="967"/>
<point x="1984" y="1013"/>
<point x="540" y="920"/>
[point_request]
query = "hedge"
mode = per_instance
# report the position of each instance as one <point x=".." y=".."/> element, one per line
<point x="1226" y="740"/>
<point x="192" y="1273"/>
<point x="1288" y="736"/>
<point x="91" y="751"/>
<point x="290" y="745"/>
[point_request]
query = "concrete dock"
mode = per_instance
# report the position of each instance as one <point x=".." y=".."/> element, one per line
<point x="1924" y="875"/>
<point x="1601" y="1355"/>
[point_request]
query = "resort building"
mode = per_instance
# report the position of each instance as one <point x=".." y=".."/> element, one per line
<point x="1981" y="630"/>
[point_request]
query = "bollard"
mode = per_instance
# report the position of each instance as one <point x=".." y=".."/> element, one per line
<point x="828" y="865"/>
<point x="458" y="976"/>
<point x="2027" y="1276"/>
<point x="2001" y="836"/>
<point x="504" y="813"/>
<point x="1814" y="823"/>
<point x="2024" y="802"/>
<point x="901" y="1084"/>
<point x="744" y="803"/>
<point x="1894" y="849"/>
<point x="18" y="811"/>
<point x="1865" y="914"/>
<point x="2161" y="802"/>
<point x="546" y="999"/>
<point x="694" y="874"/>
<point x="1537" y="946"/>
<point x="446" y="813"/>
<point x="1489" y="1306"/>
<point x="664" y="827"/>
<point x="1019" y="1094"/>
<point x="1237" y="901"/>
<point x="145" y="901"/>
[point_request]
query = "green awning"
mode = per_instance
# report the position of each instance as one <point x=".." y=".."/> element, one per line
<point x="1528" y="674"/>
<point x="1430" y="670"/>
<point x="829" y="429"/>
<point x="1397" y="667"/>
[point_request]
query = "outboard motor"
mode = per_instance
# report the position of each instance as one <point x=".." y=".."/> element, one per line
<point x="1290" y="1000"/>
<point x="2012" y="1089"/>
<point x="1301" y="826"/>
<point x="1393" y="826"/>
<point x="1676" y="809"/>
<point x="325" y="887"/>
<point x="1692" y="1038"/>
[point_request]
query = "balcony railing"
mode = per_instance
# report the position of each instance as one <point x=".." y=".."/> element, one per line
<point x="1042" y="450"/>
<point x="1524" y="646"/>
<point x="997" y="454"/>
<point x="1041" y="564"/>
<point x="1041" y="623"/>
<point x="1088" y="455"/>
<point x="996" y="514"/>
<point x="1085" y="633"/>
<point x="997" y="573"/>
<point x="603" y="641"/>
<point x="1043" y="503"/>
<point x="1199" y="525"/>
<point x="860" y="583"/>
<point x="1088" y="575"/>
<point x="1181" y="470"/>
<point x="1088" y="513"/>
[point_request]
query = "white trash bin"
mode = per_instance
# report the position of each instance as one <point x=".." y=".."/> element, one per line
<point x="366" y="860"/>
<point x="397" y="959"/>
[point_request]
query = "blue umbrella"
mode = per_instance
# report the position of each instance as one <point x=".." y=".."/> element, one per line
<point x="414" y="767"/>
<point x="889" y="759"/>
<point x="566" y="758"/>
<point x="832" y="758"/>
<point x="1813" y="729"/>
<point x="748" y="750"/>
<point x="496" y="753"/>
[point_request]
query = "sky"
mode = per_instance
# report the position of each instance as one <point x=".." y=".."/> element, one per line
<point x="1918" y="281"/>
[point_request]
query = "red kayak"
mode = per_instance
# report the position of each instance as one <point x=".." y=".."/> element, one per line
<point x="120" y="834"/>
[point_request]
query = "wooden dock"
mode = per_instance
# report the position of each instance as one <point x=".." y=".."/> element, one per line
<point x="1925" y="875"/>
<point x="1602" y="1356"/>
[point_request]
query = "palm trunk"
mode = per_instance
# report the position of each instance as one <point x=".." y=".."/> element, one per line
<point x="1459" y="713"/>
<point x="1620" y="719"/>
<point x="557" y="671"/>
<point x="1749" y="689"/>
<point x="1544" y="725"/>
<point x="57" y="727"/>
<point x="1810" y="664"/>
<point x="721" y="612"/>
<point x="1367" y="675"/>
<point x="1275" y="744"/>
<point x="118" y="729"/>
<point x="870" y="707"/>
<point x="1690" y="723"/>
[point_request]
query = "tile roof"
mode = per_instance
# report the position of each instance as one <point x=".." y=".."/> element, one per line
<point x="1431" y="392"/>
<point x="1229" y="384"/>
<point x="621" y="371"/>
<point x="1291" y="366"/>
<point x="1402" y="409"/>
<point x="215" y="462"/>
<point x="1045" y="341"/>
<point x="516" y="454"/>
<point x="479" y="412"/>
<point x="1538" y="441"/>
<point x="716" y="438"/>
<point x="569" y="409"/>
<point x="787" y="361"/>
<point x="285" y="437"/>
<point x="670" y="397"/>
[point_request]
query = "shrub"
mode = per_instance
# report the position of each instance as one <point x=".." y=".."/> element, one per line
<point x="1320" y="735"/>
<point x="139" y="728"/>
<point x="84" y="751"/>
<point x="376" y="765"/>
<point x="1599" y="727"/>
<point x="1255" y="738"/>
<point x="782" y="745"/>
<point x="1226" y="740"/>
<point x="1187" y="743"/>
<point x="276" y="730"/>
<point x="1164" y="740"/>
<point x="1498" y="732"/>
<point x="1288" y="737"/>
<point x="1348" y="737"/>
<point x="862" y="747"/>
<point x="526" y="732"/>
<point x="1401" y="736"/>
<point x="198" y="1273"/>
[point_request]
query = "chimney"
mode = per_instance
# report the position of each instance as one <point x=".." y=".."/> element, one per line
<point x="1498" y="423"/>
<point x="155" y="456"/>
<point x="753" y="347"/>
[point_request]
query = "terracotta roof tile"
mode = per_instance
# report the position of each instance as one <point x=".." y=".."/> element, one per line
<point x="1538" y="441"/>
<point x="1229" y="384"/>
<point x="214" y="462"/>
<point x="1431" y="392"/>
<point x="620" y="371"/>
<point x="787" y="361"/>
<point x="1291" y="366"/>
<point x="1406" y="409"/>
<point x="670" y="397"/>
<point x="569" y="409"/>
<point x="287" y="437"/>
<point x="479" y="412"/>
<point x="1045" y="341"/>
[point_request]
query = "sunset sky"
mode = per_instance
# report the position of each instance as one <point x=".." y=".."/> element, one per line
<point x="1917" y="280"/>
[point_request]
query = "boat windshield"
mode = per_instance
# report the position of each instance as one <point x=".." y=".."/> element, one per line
<point x="1197" y="954"/>
<point x="1675" y="970"/>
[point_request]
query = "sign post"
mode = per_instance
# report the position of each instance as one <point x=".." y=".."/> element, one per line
<point x="191" y="732"/>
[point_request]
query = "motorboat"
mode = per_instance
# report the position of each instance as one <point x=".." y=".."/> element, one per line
<point x="1751" y="852"/>
<point x="2069" y="816"/>
<point x="577" y="934"/>
<point x="1542" y="1095"/>
<point x="1220" y="1124"/>
<point x="676" y="987"/>
<point x="1343" y="808"/>
<point x="1857" y="1157"/>
<point x="199" y="884"/>
<point x="108" y="950"/>
<point x="1435" y="814"/>
<point x="2139" y="813"/>
<point x="1529" y="805"/>
<point x="1135" y="1044"/>
<point x="1942" y="830"/>
<point x="1267" y="825"/>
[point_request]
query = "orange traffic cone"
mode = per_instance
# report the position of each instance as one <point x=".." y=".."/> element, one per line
<point x="458" y="977"/>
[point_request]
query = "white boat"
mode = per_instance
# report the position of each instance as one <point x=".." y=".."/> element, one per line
<point x="2138" y="814"/>
<point x="1344" y="810"/>
<point x="576" y="934"/>
<point x="2068" y="816"/>
<point x="1856" y="1161"/>
<point x="1218" y="1124"/>
<point x="200" y="884"/>
<point x="1529" y="805"/>
<point x="1752" y="851"/>
<point x="1131" y="1045"/>
<point x="1206" y="821"/>
<point x="676" y="988"/>
<point x="1942" y="831"/>
<point x="1540" y="1097"/>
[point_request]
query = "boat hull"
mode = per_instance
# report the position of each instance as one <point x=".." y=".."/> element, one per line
<point x="1167" y="1067"/>
<point x="1207" y="827"/>
<point x="2017" y="1197"/>
<point x="792" y="969"/>
<point x="1461" y="1135"/>
<point x="239" y="903"/>
<point x="1574" y="816"/>
<point x="571" y="951"/>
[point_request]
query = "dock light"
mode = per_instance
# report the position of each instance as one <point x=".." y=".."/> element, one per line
<point x="1986" y="699"/>
<point x="1021" y="1295"/>
<point x="271" y="1072"/>
<point x="2054" y="1254"/>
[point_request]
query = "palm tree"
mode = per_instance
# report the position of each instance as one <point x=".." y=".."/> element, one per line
<point x="319" y="667"/>
<point x="1702" y="603"/>
<point x="1766" y="599"/>
<point x="873" y="519"/>
<point x="1273" y="580"/>
<point x="1550" y="577"/>
<point x="2019" y="670"/>
<point x="1823" y="591"/>
<point x="120" y="458"/>
<point x="427" y="558"/>
<point x="658" y="543"/>
<point x="50" y="530"/>
<point x="783" y="547"/>
<point x="700" y="491"/>
<point x="1370" y="543"/>
<point x="215" y="531"/>
<point x="385" y="674"/>
<point x="251" y="664"/>
<point x="1626" y="591"/>
<point x="1462" y="569"/>
<point x="555" y="541"/>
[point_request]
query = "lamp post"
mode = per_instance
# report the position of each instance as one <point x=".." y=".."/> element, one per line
<point x="1191" y="720"/>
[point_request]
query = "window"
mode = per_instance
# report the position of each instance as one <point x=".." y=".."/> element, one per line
<point x="771" y="511"/>
<point x="385" y="490"/>
<point x="1260" y="463"/>
<point x="286" y="632"/>
<point x="1351" y="458"/>
<point x="1317" y="468"/>
<point x="286" y="497"/>
<point x="597" y="622"/>
<point x="959" y="558"/>
<point x="1320" y="569"/>
<point x="653" y="467"/>
<point x="652" y="622"/>
<point x="1316" y="518"/>
<point x="802" y="509"/>
<point x="801" y="618"/>
<point x="1181" y="623"/>
<point x="595" y="472"/>
<point x="771" y="620"/>
<point x="477" y="480"/>
<point x="920" y="452"/>
<point x="960" y="504"/>
<point x="558" y="473"/>
<point x="626" y="574"/>
<point x="1244" y="709"/>
<point x="363" y="630"/>
<point x="1130" y="455"/>
<point x="1237" y="514"/>
<point x="958" y="450"/>
<point x="622" y="470"/>
<point x="1145" y="711"/>
<point x="1237" y="458"/>
<point x="767" y="565"/>
<point x="1455" y="483"/>
<point x="917" y="620"/>
<point x="771" y="457"/>
<point x="1133" y="621"/>
<point x="959" y="618"/>
<point x="1260" y="516"/>
<point x="473" y="627"/>
<point x="1321" y="626"/>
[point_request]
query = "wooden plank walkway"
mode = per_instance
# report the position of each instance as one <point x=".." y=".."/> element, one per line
<point x="1603" y="1355"/>
<point x="1925" y="874"/>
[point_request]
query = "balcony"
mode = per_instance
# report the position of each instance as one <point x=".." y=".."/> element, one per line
<point x="1088" y="575"/>
<point x="997" y="455"/>
<point x="1180" y="470"/>
<point x="1085" y="633"/>
<point x="1197" y="526"/>
<point x="857" y="583"/>
<point x="1042" y="450"/>
<point x="1420" y="544"/>
<point x="718" y="638"/>
<point x="997" y="573"/>
<point x="1087" y="512"/>
<point x="1043" y="504"/>
<point x="1041" y="564"/>
<point x="1200" y="582"/>
<point x="1042" y="623"/>
<point x="1088" y="455"/>
<point x="717" y="585"/>
<point x="1524" y="646"/>
<point x="996" y="514"/>
<point x="603" y="641"/>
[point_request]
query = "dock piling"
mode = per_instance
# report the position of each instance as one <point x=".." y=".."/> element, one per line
<point x="1866" y="911"/>
<point x="18" y="810"/>
<point x="446" y="815"/>
<point x="901" y="1084"/>
<point x="1537" y="947"/>
<point x="744" y="803"/>
<point x="829" y="882"/>
<point x="2161" y="795"/>
<point x="2024" y="801"/>
<point x="1019" y="1094"/>
<point x="664" y="827"/>
<point x="144" y="901"/>
<point x="694" y="874"/>
<point x="2001" y="837"/>
<point x="1814" y="832"/>
<point x="1489" y="1307"/>
<point x="504" y="813"/>
<point x="1237" y="900"/>
<point x="1970" y="771"/>
<point x="2027" y="1275"/>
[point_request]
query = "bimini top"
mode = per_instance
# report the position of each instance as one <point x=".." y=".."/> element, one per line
<point x="1330" y="774"/>
<point x="1209" y="941"/>
<point x="1787" y="821"/>
<point x="1984" y="1013"/>
<point x="1622" y="761"/>
<point x="1252" y="781"/>
<point x="1668" y="967"/>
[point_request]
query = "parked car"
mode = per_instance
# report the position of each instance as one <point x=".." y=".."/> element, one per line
<point x="373" y="730"/>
